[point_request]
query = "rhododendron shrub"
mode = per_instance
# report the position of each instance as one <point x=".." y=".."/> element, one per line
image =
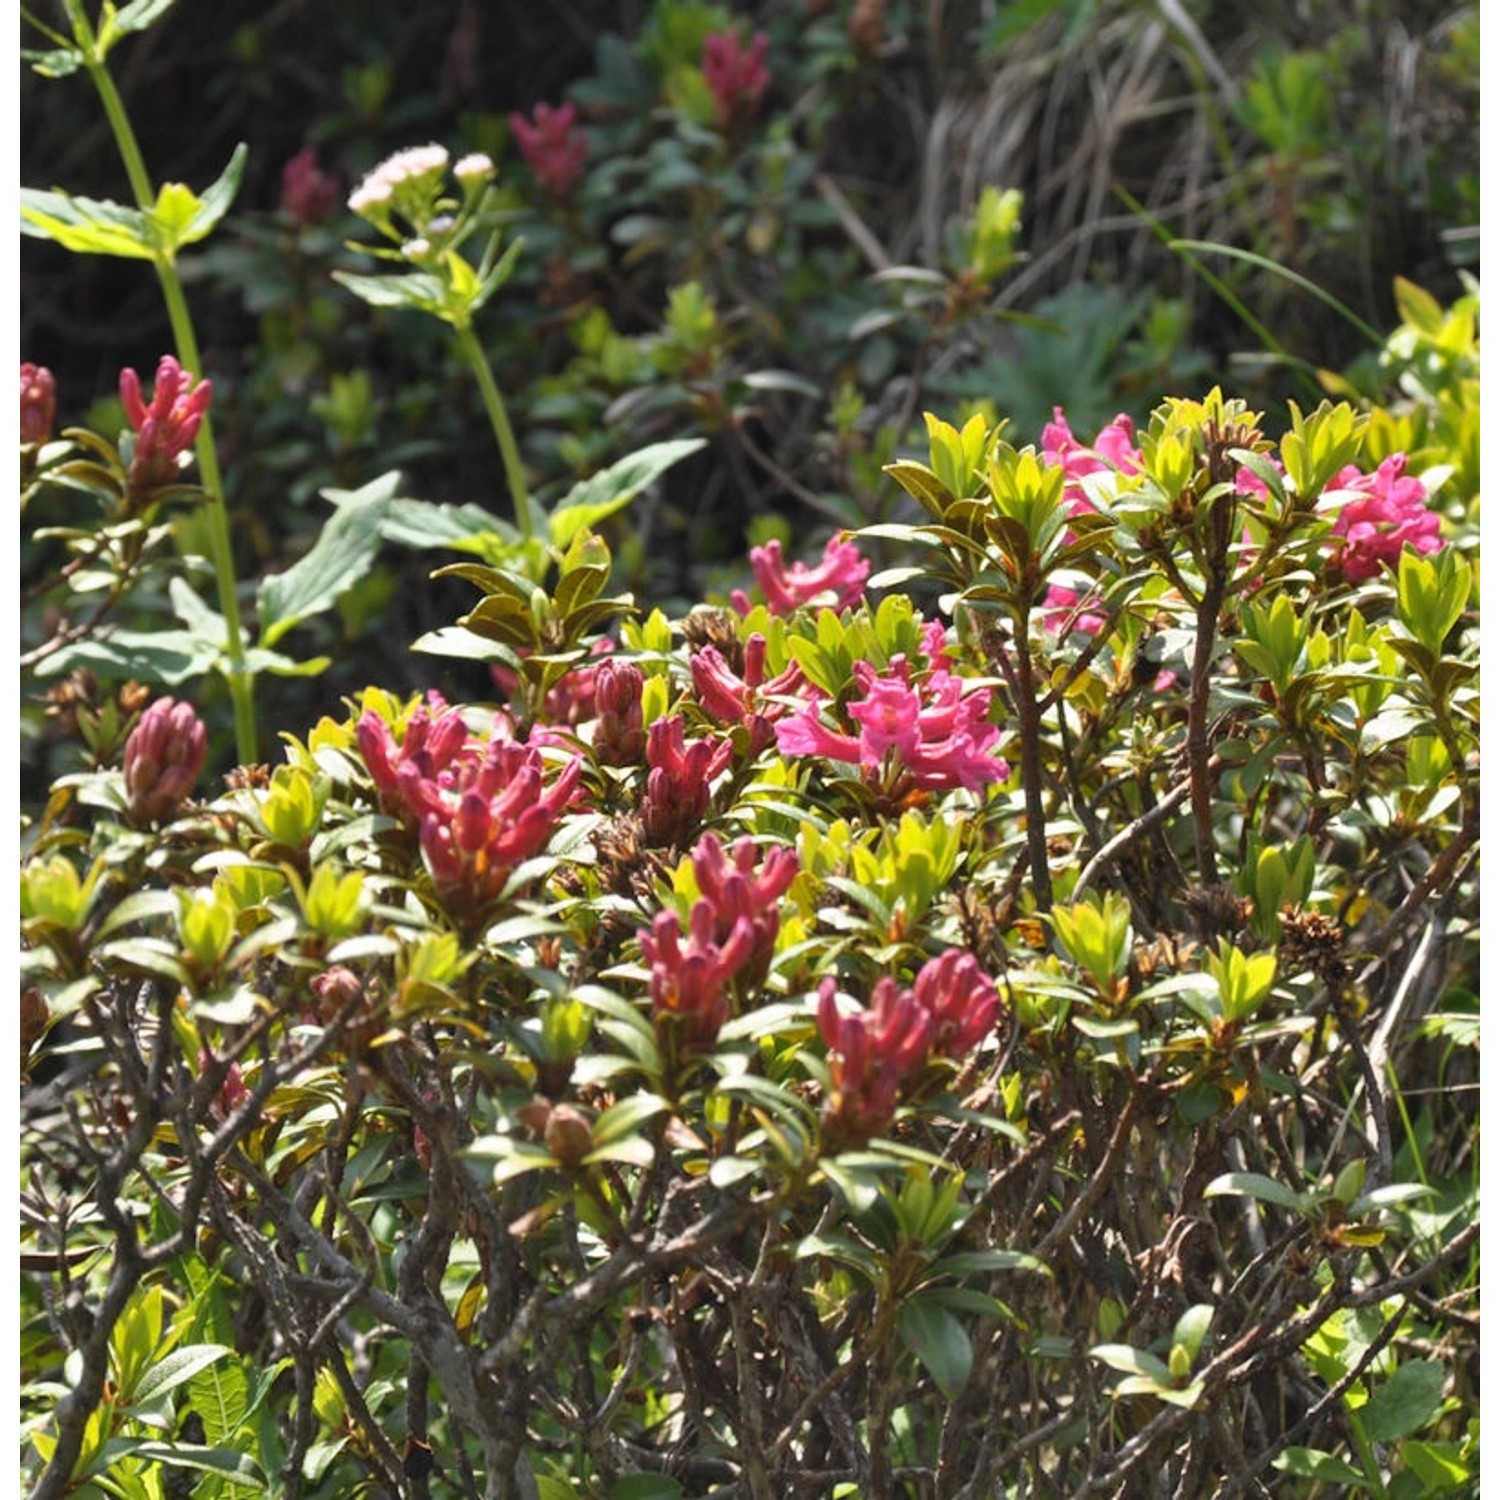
<point x="832" y="1041"/>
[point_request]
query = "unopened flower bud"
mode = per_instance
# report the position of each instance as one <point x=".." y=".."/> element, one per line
<point x="38" y="403"/>
<point x="163" y="756"/>
<point x="569" y="1134"/>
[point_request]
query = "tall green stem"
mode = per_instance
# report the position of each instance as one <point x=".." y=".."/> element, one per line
<point x="241" y="682"/>
<point x="510" y="454"/>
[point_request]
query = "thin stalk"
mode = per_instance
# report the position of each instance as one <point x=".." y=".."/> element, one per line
<point x="510" y="454"/>
<point x="1199" y="751"/>
<point x="1021" y="681"/>
<point x="241" y="683"/>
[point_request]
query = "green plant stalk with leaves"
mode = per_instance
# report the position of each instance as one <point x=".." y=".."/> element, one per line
<point x="90" y="49"/>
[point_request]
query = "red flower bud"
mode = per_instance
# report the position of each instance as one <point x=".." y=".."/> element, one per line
<point x="163" y="756"/>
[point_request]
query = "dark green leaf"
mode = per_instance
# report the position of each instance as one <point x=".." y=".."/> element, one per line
<point x="938" y="1339"/>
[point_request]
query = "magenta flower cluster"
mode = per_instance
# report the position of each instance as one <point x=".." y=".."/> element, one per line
<point x="1114" y="448"/>
<point x="554" y="145"/>
<point x="838" y="581"/>
<point x="731" y="937"/>
<point x="930" y="731"/>
<point x="479" y="807"/>
<point x="164" y="755"/>
<point x="167" y="427"/>
<point x="737" y="75"/>
<point x="308" y="193"/>
<point x="752" y="700"/>
<point x="38" y="403"/>
<point x="679" y="784"/>
<point x="1384" y="512"/>
<point x="874" y="1053"/>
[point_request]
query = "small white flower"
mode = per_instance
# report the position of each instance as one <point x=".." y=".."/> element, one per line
<point x="373" y="192"/>
<point x="475" y="167"/>
<point x="415" y="161"/>
<point x="441" y="224"/>
<point x="417" y="249"/>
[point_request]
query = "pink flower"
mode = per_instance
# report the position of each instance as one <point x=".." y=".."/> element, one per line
<point x="554" y="146"/>
<point x="871" y="1054"/>
<point x="165" y="429"/>
<point x="749" y="700"/>
<point x="480" y="807"/>
<point x="1386" y="511"/>
<point x="931" y="734"/>
<point x="500" y="812"/>
<point x="411" y="777"/>
<point x="1062" y="614"/>
<point x="689" y="985"/>
<point x="842" y="574"/>
<point x="679" y="785"/>
<point x="308" y="193"/>
<point x="38" y="403"/>
<point x="164" y="754"/>
<point x="735" y="891"/>
<point x="738" y="78"/>
<point x="731" y="936"/>
<point x="619" y="729"/>
<point x="1114" y="448"/>
<point x="961" y="999"/>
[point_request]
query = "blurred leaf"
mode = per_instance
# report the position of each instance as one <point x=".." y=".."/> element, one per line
<point x="938" y="1339"/>
<point x="345" y="549"/>
<point x="1406" y="1402"/>
<point x="611" y="489"/>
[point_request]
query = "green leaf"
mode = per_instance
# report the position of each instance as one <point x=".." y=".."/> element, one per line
<point x="59" y="62"/>
<point x="341" y="556"/>
<point x="1132" y="1361"/>
<point x="86" y="226"/>
<point x="1406" y="1402"/>
<point x="217" y="198"/>
<point x="420" y="524"/>
<point x="418" y="290"/>
<point x="237" y="1467"/>
<point x="175" y="1368"/>
<point x="938" y="1339"/>
<point x="1255" y="1185"/>
<point x="611" y="489"/>
<point x="140" y="14"/>
<point x="645" y="1487"/>
<point x="621" y="1118"/>
<point x="1313" y="1463"/>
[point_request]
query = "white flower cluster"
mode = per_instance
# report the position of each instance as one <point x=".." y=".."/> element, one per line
<point x="381" y="183"/>
<point x="476" y="167"/>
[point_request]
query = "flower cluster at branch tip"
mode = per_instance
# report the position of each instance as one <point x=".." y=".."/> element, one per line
<point x="164" y="754"/>
<point x="874" y="1053"/>
<point x="554" y="145"/>
<point x="308" y="193"/>
<point x="405" y="183"/>
<point x="38" y="403"/>
<point x="480" y="807"/>
<point x="679" y="784"/>
<point x="165" y="429"/>
<point x="730" y="940"/>
<point x="737" y="76"/>
<point x="1114" y="448"/>
<point x="1385" y="511"/>
<point x="750" y="700"/>
<point x="841" y="574"/>
<point x="620" y="728"/>
<point x="938" y="733"/>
